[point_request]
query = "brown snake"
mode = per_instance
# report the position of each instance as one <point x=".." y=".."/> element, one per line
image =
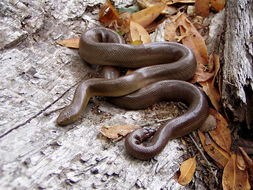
<point x="162" y="68"/>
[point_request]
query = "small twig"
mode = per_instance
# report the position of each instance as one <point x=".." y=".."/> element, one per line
<point x="203" y="155"/>
<point x="58" y="109"/>
<point x="155" y="121"/>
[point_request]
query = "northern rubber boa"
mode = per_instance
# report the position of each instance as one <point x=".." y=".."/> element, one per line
<point x="167" y="62"/>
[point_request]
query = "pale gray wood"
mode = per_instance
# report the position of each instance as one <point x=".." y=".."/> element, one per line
<point x="38" y="77"/>
<point x="237" y="85"/>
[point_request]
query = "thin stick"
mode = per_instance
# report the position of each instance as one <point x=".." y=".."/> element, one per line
<point x="156" y="121"/>
<point x="203" y="155"/>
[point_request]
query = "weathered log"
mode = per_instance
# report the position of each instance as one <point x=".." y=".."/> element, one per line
<point x="237" y="85"/>
<point x="36" y="73"/>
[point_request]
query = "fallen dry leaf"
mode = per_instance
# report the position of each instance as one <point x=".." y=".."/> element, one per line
<point x="233" y="178"/>
<point x="170" y="2"/>
<point x="201" y="74"/>
<point x="116" y="131"/>
<point x="212" y="93"/>
<point x="221" y="134"/>
<point x="187" y="170"/>
<point x="170" y="33"/>
<point x="138" y="33"/>
<point x="193" y="40"/>
<point x="202" y="7"/>
<point x="123" y="22"/>
<point x="191" y="37"/>
<point x="148" y="15"/>
<point x="240" y="163"/>
<point x="248" y="161"/>
<point x="208" y="86"/>
<point x="70" y="43"/>
<point x="218" y="5"/>
<point x="216" y="64"/>
<point x="220" y="92"/>
<point x="196" y="43"/>
<point x="107" y="14"/>
<point x="112" y="8"/>
<point x="209" y="124"/>
<point x="154" y="25"/>
<point x="218" y="154"/>
<point x="170" y="10"/>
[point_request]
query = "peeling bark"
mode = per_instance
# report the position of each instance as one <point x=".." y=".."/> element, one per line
<point x="237" y="85"/>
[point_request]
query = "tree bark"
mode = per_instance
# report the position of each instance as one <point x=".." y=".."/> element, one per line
<point x="37" y="78"/>
<point x="237" y="85"/>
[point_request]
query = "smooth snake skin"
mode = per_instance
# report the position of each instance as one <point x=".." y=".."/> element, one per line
<point x="162" y="68"/>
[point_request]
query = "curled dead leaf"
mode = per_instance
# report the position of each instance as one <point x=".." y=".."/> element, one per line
<point x="221" y="134"/>
<point x="218" y="5"/>
<point x="148" y="15"/>
<point x="123" y="22"/>
<point x="170" y="33"/>
<point x="192" y="39"/>
<point x="112" y="8"/>
<point x="116" y="131"/>
<point x="248" y="161"/>
<point x="233" y="177"/>
<point x="216" y="64"/>
<point x="240" y="163"/>
<point x="202" y="7"/>
<point x="70" y="43"/>
<point x="196" y="43"/>
<point x="218" y="154"/>
<point x="138" y="33"/>
<point x="212" y="93"/>
<point x="107" y="14"/>
<point x="208" y="86"/>
<point x="187" y="170"/>
<point x="106" y="17"/>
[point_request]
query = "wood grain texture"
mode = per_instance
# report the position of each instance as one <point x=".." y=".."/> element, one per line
<point x="237" y="85"/>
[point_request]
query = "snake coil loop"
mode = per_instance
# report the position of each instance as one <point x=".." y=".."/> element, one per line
<point x="162" y="69"/>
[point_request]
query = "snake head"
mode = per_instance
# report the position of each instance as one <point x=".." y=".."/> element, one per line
<point x="141" y="135"/>
<point x="67" y="116"/>
<point x="134" y="144"/>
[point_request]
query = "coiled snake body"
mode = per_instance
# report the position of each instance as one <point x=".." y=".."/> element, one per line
<point x="162" y="68"/>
